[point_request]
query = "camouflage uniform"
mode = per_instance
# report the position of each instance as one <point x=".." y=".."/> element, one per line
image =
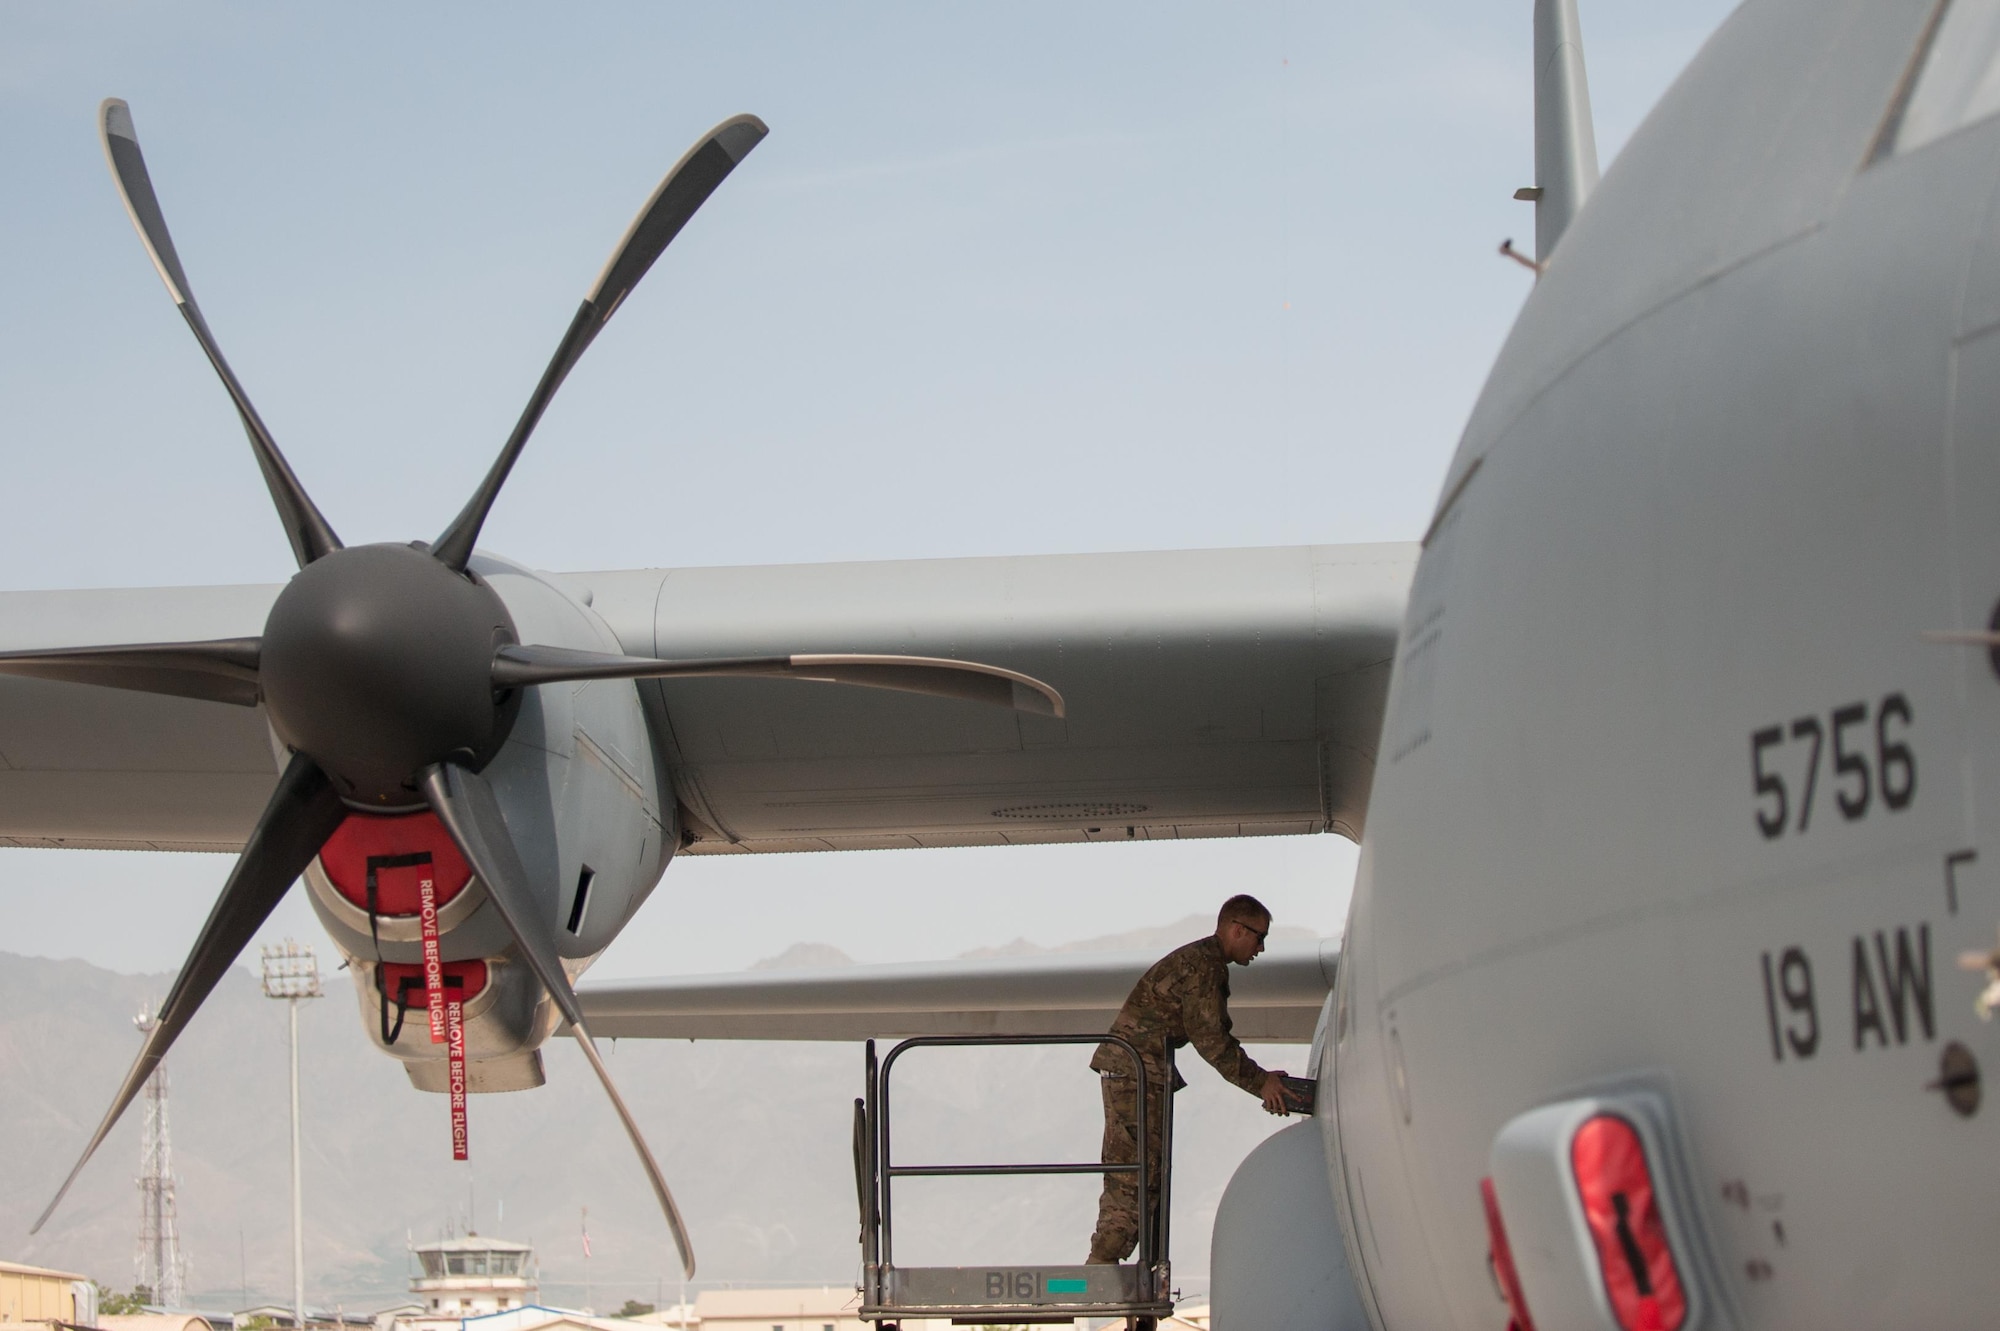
<point x="1183" y="999"/>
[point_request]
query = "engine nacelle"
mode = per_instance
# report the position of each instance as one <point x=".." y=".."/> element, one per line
<point x="581" y="784"/>
<point x="1277" y="1262"/>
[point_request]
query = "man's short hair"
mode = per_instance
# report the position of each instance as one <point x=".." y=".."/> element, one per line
<point x="1242" y="907"/>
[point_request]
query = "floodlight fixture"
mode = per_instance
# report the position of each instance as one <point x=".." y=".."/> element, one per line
<point x="291" y="972"/>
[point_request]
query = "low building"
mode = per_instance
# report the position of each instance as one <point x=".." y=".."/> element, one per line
<point x="536" y="1318"/>
<point x="279" y="1318"/>
<point x="827" y="1308"/>
<point x="389" y="1318"/>
<point x="37" y="1294"/>
<point x="155" y="1322"/>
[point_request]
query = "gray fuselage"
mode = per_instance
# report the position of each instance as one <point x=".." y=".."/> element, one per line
<point x="1741" y="450"/>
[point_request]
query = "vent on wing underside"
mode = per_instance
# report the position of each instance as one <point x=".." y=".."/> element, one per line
<point x="1041" y="812"/>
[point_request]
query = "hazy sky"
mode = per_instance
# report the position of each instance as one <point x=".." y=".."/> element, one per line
<point x="1005" y="278"/>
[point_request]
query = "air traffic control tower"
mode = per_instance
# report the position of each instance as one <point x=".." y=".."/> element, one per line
<point x="472" y="1276"/>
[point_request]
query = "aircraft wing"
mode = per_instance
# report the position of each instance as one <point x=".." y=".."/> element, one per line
<point x="1276" y="999"/>
<point x="110" y="769"/>
<point x="1210" y="693"/>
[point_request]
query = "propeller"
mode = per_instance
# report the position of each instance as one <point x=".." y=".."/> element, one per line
<point x="464" y="802"/>
<point x="514" y="667"/>
<point x="302" y="814"/>
<point x="393" y="673"/>
<point x="221" y="670"/>
<point x="306" y="528"/>
<point x="685" y="189"/>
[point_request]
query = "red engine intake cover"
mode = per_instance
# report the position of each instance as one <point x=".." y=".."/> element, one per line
<point x="1623" y="1210"/>
<point x="396" y="852"/>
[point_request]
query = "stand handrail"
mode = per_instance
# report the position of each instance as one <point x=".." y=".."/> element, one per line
<point x="880" y="1171"/>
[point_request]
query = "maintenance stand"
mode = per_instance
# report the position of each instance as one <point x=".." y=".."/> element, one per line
<point x="1141" y="1292"/>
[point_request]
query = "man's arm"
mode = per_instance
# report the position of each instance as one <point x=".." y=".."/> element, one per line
<point x="1205" y="1014"/>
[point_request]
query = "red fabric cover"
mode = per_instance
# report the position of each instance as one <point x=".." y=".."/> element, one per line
<point x="462" y="980"/>
<point x="362" y="836"/>
<point x="1610" y="1163"/>
<point x="1502" y="1257"/>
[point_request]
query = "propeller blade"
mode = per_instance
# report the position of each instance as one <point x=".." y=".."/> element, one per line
<point x="939" y="677"/>
<point x="303" y="812"/>
<point x="224" y="670"/>
<point x="464" y="802"/>
<point x="305" y="526"/>
<point x="680" y="193"/>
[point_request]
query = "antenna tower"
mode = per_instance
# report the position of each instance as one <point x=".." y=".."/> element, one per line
<point x="162" y="1267"/>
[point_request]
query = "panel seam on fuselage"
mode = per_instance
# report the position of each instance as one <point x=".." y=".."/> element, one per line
<point x="1756" y="887"/>
<point x="1456" y="479"/>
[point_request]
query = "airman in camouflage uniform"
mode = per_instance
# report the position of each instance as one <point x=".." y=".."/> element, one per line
<point x="1183" y="999"/>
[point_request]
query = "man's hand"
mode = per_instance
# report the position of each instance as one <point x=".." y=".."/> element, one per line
<point x="1274" y="1094"/>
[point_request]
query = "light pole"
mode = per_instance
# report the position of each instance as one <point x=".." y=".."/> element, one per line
<point x="291" y="972"/>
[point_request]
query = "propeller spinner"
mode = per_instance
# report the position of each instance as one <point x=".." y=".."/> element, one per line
<point x="393" y="674"/>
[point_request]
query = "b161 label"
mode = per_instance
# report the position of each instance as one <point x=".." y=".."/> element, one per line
<point x="1028" y="1286"/>
<point x="1860" y="756"/>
